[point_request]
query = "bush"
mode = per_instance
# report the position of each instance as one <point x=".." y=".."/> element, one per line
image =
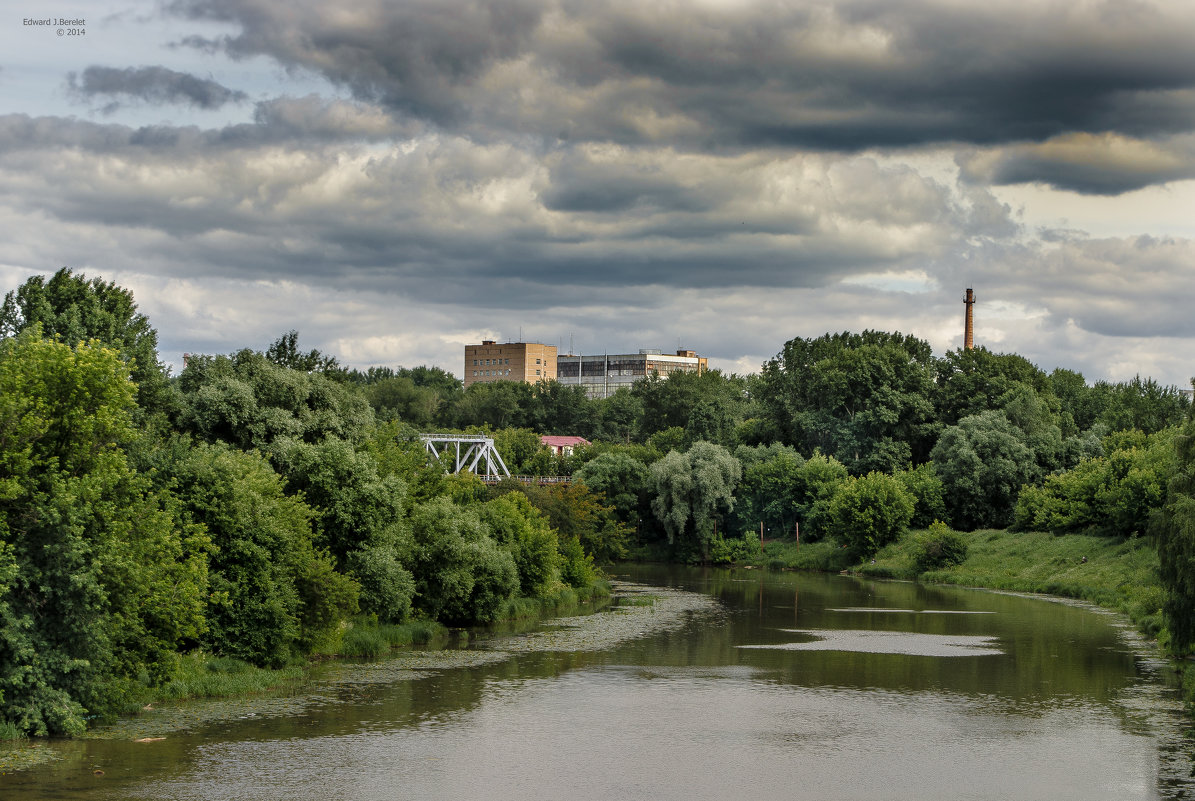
<point x="869" y="512"/>
<point x="386" y="586"/>
<point x="938" y="547"/>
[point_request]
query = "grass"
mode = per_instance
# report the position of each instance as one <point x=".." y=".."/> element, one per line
<point x="1119" y="574"/>
<point x="205" y="676"/>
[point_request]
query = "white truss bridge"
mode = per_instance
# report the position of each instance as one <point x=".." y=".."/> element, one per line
<point x="476" y="454"/>
<point x="466" y="453"/>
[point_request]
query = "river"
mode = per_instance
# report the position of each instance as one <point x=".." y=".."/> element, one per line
<point x="697" y="684"/>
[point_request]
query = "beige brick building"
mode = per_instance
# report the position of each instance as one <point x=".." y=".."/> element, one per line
<point x="510" y="361"/>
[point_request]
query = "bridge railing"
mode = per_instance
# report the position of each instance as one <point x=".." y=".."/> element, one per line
<point x="534" y="480"/>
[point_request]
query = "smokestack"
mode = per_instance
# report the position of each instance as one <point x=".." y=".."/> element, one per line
<point x="969" y="328"/>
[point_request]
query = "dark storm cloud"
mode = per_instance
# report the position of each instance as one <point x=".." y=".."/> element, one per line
<point x="152" y="85"/>
<point x="1090" y="165"/>
<point x="836" y="76"/>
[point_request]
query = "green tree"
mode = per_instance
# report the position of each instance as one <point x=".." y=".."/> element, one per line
<point x="518" y="527"/>
<point x="273" y="594"/>
<point x="499" y="404"/>
<point x="586" y="527"/>
<point x="1140" y="404"/>
<point x="622" y="480"/>
<point x="285" y="352"/>
<point x="865" y="399"/>
<point x="359" y="517"/>
<point x="691" y="490"/>
<point x="462" y="576"/>
<point x="928" y="493"/>
<point x="868" y="512"/>
<point x="1115" y="493"/>
<point x="618" y="416"/>
<point x="248" y="401"/>
<point x="983" y="462"/>
<point x="972" y="381"/>
<point x="772" y="492"/>
<point x="109" y="580"/>
<point x="74" y="309"/>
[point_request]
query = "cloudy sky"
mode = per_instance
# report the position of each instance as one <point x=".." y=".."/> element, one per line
<point x="397" y="178"/>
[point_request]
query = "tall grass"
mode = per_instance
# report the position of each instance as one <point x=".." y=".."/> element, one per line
<point x="367" y="639"/>
<point x="202" y="676"/>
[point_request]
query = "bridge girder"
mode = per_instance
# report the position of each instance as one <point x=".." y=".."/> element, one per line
<point x="466" y="453"/>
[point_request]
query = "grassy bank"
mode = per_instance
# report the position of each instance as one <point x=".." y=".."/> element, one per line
<point x="1119" y="574"/>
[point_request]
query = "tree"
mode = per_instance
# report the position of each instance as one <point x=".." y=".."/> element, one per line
<point x="518" y="527"/>
<point x="359" y="517"/>
<point x="284" y="352"/>
<point x="462" y="576"/>
<point x="109" y="580"/>
<point x="500" y="404"/>
<point x="869" y="512"/>
<point x="248" y="401"/>
<point x="864" y="399"/>
<point x="691" y="490"/>
<point x="1139" y="404"/>
<point x="972" y="381"/>
<point x="622" y="480"/>
<point x="618" y="416"/>
<point x="586" y="527"/>
<point x="1114" y="493"/>
<point x="771" y="492"/>
<point x="983" y="462"/>
<point x="556" y="408"/>
<point x="273" y="594"/>
<point x="923" y="484"/>
<point x="706" y="406"/>
<point x="75" y="310"/>
<point x="1174" y="527"/>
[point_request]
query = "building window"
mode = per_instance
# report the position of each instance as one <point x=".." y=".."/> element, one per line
<point x="537" y="362"/>
<point x="537" y="372"/>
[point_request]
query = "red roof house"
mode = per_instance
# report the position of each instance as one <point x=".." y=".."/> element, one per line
<point x="563" y="446"/>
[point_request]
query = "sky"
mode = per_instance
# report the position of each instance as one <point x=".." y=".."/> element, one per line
<point x="395" y="179"/>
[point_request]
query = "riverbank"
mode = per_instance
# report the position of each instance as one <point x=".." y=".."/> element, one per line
<point x="1115" y="573"/>
<point x="204" y="677"/>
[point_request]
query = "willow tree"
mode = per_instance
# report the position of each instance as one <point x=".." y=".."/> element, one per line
<point x="691" y="490"/>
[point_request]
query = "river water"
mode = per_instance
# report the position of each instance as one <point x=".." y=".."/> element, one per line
<point x="696" y="684"/>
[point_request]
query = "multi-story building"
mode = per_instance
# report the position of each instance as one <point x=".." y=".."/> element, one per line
<point x="510" y="361"/>
<point x="603" y="375"/>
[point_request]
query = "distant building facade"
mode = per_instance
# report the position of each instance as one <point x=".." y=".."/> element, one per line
<point x="603" y="375"/>
<point x="529" y="362"/>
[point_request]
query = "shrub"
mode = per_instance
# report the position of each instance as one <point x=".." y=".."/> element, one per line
<point x="938" y="547"/>
<point x="869" y="512"/>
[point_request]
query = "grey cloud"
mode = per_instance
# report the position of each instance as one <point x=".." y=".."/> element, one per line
<point x="841" y="75"/>
<point x="443" y="217"/>
<point x="1091" y="165"/>
<point x="153" y="85"/>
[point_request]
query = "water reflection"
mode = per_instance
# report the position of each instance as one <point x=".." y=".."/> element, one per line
<point x="888" y="642"/>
